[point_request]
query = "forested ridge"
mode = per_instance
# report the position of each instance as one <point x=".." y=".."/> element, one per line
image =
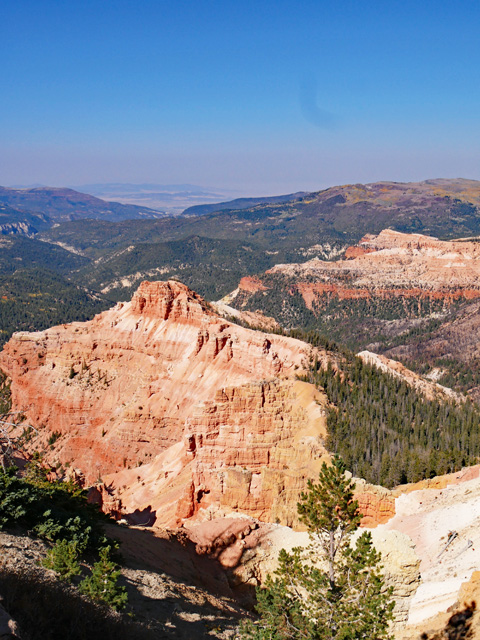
<point x="36" y="299"/>
<point x="385" y="430"/>
<point x="212" y="268"/>
<point x="405" y="325"/>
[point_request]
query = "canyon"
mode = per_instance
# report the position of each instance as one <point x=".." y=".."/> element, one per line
<point x="409" y="297"/>
<point x="165" y="397"/>
<point x="161" y="404"/>
<point x="187" y="424"/>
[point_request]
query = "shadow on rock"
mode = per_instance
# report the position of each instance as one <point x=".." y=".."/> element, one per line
<point x="180" y="593"/>
<point x="141" y="517"/>
<point x="458" y="627"/>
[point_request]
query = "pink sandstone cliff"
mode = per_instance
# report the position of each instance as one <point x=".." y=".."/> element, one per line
<point x="168" y="407"/>
<point x="164" y="382"/>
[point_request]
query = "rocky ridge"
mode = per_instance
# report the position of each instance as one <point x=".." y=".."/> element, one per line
<point x="429" y="388"/>
<point x="388" y="265"/>
<point x="175" y="593"/>
<point x="163" y="403"/>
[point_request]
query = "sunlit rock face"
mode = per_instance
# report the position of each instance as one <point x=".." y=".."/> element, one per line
<point x="388" y="265"/>
<point x="173" y="405"/>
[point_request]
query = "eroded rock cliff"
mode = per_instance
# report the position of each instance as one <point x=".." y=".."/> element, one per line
<point x="389" y="265"/>
<point x="166" y="405"/>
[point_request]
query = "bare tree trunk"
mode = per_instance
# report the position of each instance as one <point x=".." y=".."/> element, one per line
<point x="331" y="560"/>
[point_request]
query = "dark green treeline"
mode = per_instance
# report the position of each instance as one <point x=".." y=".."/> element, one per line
<point x="386" y="431"/>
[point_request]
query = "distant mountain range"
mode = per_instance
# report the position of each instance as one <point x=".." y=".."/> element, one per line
<point x="211" y="247"/>
<point x="298" y="229"/>
<point x="240" y="203"/>
<point x="64" y="205"/>
<point x="445" y="208"/>
<point x="125" y="201"/>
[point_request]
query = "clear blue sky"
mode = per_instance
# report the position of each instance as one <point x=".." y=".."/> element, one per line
<point x="263" y="97"/>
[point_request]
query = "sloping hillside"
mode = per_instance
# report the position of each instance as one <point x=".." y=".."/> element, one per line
<point x="240" y="203"/>
<point x="62" y="205"/>
<point x="302" y="228"/>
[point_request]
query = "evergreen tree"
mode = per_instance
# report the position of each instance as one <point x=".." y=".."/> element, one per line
<point x="63" y="559"/>
<point x="103" y="583"/>
<point x="330" y="590"/>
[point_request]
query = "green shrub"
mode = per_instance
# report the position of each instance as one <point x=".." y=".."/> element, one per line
<point x="103" y="585"/>
<point x="54" y="437"/>
<point x="52" y="510"/>
<point x="63" y="559"/>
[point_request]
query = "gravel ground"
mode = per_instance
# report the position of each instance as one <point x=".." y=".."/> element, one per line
<point x="153" y="573"/>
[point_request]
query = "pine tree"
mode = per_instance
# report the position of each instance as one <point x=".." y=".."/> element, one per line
<point x="103" y="583"/>
<point x="330" y="590"/>
<point x="63" y="559"/>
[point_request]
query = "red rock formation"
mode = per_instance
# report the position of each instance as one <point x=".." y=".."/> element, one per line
<point x="250" y="449"/>
<point x="174" y="407"/>
<point x="376" y="505"/>
<point x="251" y="284"/>
<point x="390" y="265"/>
<point x="355" y="251"/>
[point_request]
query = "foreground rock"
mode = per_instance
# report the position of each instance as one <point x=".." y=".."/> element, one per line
<point x="441" y="517"/>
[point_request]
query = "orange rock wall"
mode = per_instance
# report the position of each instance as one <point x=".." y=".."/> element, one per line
<point x="164" y="386"/>
<point x="376" y="506"/>
<point x="250" y="449"/>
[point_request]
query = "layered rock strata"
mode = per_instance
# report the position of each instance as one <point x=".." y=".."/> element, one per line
<point x="249" y="449"/>
<point x="172" y="407"/>
<point x="389" y="265"/>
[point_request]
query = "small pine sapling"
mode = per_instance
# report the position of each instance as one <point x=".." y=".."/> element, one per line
<point x="63" y="559"/>
<point x="103" y="585"/>
<point x="332" y="589"/>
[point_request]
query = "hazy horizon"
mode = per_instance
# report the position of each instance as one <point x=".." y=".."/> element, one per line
<point x="207" y="190"/>
<point x="260" y="99"/>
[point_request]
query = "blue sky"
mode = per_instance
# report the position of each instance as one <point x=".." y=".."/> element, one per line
<point x="262" y="97"/>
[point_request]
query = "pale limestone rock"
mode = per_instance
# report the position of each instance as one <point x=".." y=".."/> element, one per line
<point x="389" y="265"/>
<point x="401" y="567"/>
